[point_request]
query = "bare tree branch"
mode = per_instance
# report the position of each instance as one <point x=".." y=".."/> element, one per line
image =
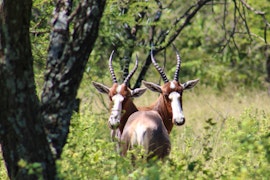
<point x="177" y="28"/>
<point x="231" y="32"/>
<point x="260" y="13"/>
<point x="188" y="15"/>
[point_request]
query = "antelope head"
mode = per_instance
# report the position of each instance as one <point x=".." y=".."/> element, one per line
<point x="120" y="95"/>
<point x="171" y="91"/>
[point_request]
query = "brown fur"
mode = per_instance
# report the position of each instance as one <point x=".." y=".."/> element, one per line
<point x="163" y="104"/>
<point x="146" y="128"/>
<point x="128" y="107"/>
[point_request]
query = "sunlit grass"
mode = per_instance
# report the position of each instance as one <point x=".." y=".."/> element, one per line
<point x="226" y="135"/>
<point x="210" y="145"/>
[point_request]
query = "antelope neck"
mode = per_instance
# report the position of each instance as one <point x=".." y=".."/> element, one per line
<point x="164" y="111"/>
<point x="128" y="108"/>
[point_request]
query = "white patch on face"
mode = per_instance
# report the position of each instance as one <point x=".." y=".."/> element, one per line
<point x="172" y="85"/>
<point x="118" y="90"/>
<point x="114" y="119"/>
<point x="178" y="116"/>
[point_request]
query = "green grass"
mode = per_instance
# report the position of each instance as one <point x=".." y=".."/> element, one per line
<point x="226" y="136"/>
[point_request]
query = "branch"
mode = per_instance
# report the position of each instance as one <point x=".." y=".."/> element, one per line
<point x="232" y="32"/>
<point x="252" y="9"/>
<point x="130" y="34"/>
<point x="156" y="19"/>
<point x="148" y="61"/>
<point x="260" y="13"/>
<point x="188" y="15"/>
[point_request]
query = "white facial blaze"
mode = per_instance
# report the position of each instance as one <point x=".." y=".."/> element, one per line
<point x="118" y="90"/>
<point x="116" y="110"/>
<point x="172" y="85"/>
<point x="178" y="116"/>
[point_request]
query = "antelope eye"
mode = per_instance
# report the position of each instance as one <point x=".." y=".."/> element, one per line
<point x="110" y="97"/>
<point x="166" y="96"/>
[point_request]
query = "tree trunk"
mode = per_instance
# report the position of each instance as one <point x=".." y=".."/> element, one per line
<point x="24" y="144"/>
<point x="67" y="58"/>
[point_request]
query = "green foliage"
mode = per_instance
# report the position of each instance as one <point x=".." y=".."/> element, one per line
<point x="206" y="147"/>
<point x="31" y="168"/>
<point x="210" y="53"/>
<point x="251" y="150"/>
<point x="206" y="46"/>
<point x="3" y="171"/>
<point x="237" y="148"/>
<point x="39" y="34"/>
<point x="40" y="30"/>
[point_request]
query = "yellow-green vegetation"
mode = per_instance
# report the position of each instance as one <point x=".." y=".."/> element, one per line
<point x="226" y="136"/>
<point x="227" y="129"/>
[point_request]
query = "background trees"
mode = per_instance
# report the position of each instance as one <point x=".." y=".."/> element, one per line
<point x="225" y="37"/>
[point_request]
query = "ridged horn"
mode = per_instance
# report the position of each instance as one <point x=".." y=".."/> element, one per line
<point x="132" y="72"/>
<point x="111" y="68"/>
<point x="161" y="72"/>
<point x="178" y="66"/>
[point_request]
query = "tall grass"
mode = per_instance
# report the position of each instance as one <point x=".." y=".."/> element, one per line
<point x="226" y="136"/>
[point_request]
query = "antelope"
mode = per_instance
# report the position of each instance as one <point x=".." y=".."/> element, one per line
<point x="146" y="129"/>
<point x="150" y="126"/>
<point x="143" y="128"/>
<point x="120" y="97"/>
<point x="169" y="103"/>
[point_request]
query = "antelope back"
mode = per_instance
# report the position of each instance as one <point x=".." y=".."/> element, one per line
<point x="146" y="129"/>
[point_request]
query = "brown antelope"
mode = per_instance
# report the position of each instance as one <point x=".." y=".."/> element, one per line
<point x="146" y="129"/>
<point x="150" y="127"/>
<point x="143" y="128"/>
<point x="120" y="96"/>
<point x="169" y="103"/>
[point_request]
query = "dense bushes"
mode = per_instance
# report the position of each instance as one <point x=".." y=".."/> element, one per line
<point x="234" y="148"/>
<point x="208" y="146"/>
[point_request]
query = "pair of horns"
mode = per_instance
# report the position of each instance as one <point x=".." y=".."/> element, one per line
<point x="161" y="72"/>
<point x="130" y="74"/>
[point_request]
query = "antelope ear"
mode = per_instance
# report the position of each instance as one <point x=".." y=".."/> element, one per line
<point x="101" y="88"/>
<point x="152" y="86"/>
<point x="138" y="92"/>
<point x="190" y="84"/>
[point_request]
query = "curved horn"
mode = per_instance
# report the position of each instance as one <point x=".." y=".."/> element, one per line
<point x="161" y="72"/>
<point x="132" y="72"/>
<point x="111" y="68"/>
<point x="178" y="66"/>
